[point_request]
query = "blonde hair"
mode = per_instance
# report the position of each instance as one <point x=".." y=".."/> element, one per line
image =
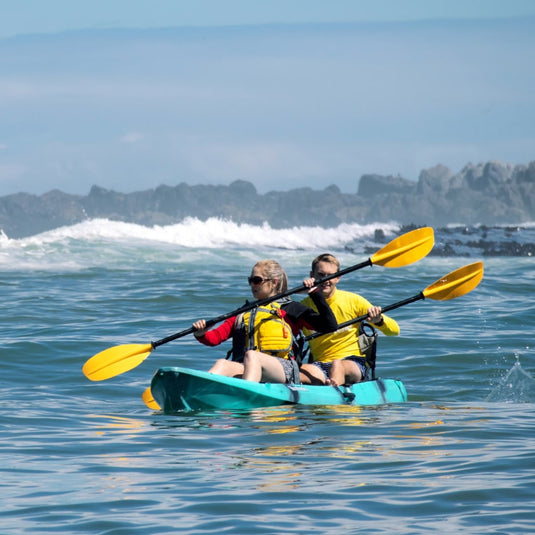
<point x="325" y="257"/>
<point x="273" y="270"/>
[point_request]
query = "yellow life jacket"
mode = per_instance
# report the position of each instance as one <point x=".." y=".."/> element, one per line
<point x="267" y="331"/>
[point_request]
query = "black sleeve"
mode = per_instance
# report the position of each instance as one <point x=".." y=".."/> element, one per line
<point x="302" y="316"/>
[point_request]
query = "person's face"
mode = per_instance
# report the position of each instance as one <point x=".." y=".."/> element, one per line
<point x="321" y="270"/>
<point x="261" y="286"/>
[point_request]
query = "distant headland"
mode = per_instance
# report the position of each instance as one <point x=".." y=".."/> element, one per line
<point x="489" y="194"/>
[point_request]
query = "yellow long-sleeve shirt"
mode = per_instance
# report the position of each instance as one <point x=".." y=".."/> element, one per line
<point x="344" y="343"/>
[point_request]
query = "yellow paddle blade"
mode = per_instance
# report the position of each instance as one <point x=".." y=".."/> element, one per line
<point x="457" y="283"/>
<point x="115" y="360"/>
<point x="149" y="400"/>
<point x="406" y="249"/>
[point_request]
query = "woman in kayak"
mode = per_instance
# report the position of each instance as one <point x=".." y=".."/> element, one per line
<point x="263" y="338"/>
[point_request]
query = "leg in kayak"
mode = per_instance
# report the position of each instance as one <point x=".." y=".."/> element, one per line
<point x="229" y="368"/>
<point x="260" y="367"/>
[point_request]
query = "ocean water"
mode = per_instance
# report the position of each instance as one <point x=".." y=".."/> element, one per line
<point x="89" y="457"/>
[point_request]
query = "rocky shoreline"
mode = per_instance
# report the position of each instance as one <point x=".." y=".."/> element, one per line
<point x="474" y="241"/>
<point x="491" y="200"/>
<point x="489" y="241"/>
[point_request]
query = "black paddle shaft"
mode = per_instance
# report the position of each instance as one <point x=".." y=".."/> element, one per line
<point x="261" y="302"/>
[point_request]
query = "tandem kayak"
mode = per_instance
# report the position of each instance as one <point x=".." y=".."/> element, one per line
<point x="183" y="389"/>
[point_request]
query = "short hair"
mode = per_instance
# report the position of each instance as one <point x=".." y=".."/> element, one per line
<point x="273" y="270"/>
<point x="326" y="257"/>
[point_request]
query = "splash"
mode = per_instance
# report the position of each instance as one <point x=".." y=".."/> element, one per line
<point x="516" y="387"/>
<point x="100" y="242"/>
<point x="212" y="233"/>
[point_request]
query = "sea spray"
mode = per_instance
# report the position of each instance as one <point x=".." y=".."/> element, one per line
<point x="105" y="243"/>
<point x="517" y="386"/>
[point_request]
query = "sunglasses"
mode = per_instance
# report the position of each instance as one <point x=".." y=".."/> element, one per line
<point x="257" y="280"/>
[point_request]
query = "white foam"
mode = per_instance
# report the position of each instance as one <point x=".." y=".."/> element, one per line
<point x="103" y="242"/>
<point x="213" y="233"/>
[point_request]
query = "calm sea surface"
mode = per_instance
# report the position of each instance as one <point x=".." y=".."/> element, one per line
<point x="84" y="457"/>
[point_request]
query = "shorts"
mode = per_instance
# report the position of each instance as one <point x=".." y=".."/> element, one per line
<point x="291" y="371"/>
<point x="359" y="361"/>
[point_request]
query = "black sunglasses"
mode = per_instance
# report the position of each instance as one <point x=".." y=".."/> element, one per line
<point x="257" y="280"/>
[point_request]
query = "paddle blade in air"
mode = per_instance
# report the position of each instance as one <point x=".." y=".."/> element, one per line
<point x="406" y="249"/>
<point x="115" y="360"/>
<point x="457" y="283"/>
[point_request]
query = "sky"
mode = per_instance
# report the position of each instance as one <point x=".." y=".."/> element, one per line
<point x="128" y="95"/>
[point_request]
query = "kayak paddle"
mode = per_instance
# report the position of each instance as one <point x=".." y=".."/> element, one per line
<point x="402" y="251"/>
<point x="454" y="284"/>
<point x="149" y="400"/>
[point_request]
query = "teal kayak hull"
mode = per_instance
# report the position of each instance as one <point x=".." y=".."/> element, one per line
<point x="183" y="389"/>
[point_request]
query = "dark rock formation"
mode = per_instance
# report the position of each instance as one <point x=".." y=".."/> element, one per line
<point x="484" y="194"/>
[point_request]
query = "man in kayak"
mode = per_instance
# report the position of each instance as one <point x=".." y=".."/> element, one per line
<point x="263" y="338"/>
<point x="336" y="357"/>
